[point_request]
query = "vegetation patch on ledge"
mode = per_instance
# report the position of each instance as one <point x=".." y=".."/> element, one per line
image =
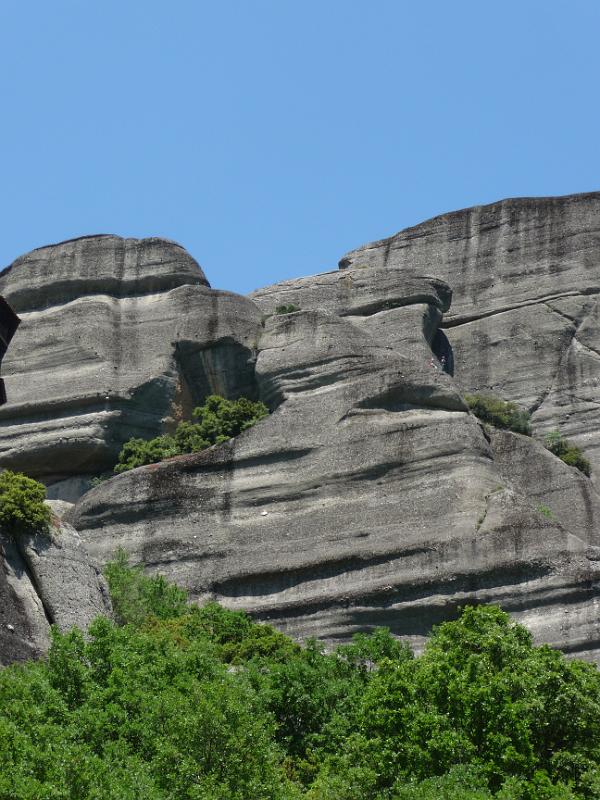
<point x="217" y="421"/>
<point x="22" y="507"/>
<point x="567" y="452"/>
<point x="499" y="413"/>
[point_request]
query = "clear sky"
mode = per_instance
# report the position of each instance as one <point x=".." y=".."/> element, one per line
<point x="271" y="136"/>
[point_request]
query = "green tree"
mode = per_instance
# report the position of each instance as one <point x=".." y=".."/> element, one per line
<point x="217" y="421"/>
<point x="136" y="597"/>
<point x="22" y="507"/>
<point x="180" y="701"/>
<point x="480" y="695"/>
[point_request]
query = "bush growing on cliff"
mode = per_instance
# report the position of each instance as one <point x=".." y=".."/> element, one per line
<point x="290" y="308"/>
<point x="217" y="421"/>
<point x="499" y="413"/>
<point x="567" y="452"/>
<point x="203" y="703"/>
<point x="137" y="597"/>
<point x="22" y="508"/>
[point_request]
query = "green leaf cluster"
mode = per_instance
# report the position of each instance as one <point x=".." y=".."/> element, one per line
<point x="567" y="452"/>
<point x="22" y="508"/>
<point x="499" y="413"/>
<point x="193" y="702"/>
<point x="290" y="308"/>
<point x="216" y="421"/>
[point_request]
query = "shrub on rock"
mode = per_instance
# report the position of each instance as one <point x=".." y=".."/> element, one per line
<point x="287" y="309"/>
<point x="567" y="452"/>
<point x="499" y="413"/>
<point x="216" y="421"/>
<point x="22" y="508"/>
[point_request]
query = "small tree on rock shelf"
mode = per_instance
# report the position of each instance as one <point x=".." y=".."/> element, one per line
<point x="22" y="508"/>
<point x="218" y="420"/>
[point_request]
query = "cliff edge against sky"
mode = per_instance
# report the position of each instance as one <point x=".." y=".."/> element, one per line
<point x="370" y="495"/>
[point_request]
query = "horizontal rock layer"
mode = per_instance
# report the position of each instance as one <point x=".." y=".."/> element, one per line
<point x="525" y="321"/>
<point x="370" y="496"/>
<point x="119" y="338"/>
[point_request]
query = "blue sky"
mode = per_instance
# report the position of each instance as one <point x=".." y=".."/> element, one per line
<point x="269" y="136"/>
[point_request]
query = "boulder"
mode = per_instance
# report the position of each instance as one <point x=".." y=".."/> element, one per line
<point x="46" y="579"/>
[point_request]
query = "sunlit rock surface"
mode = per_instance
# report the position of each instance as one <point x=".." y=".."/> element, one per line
<point x="370" y="496"/>
<point x="525" y="320"/>
<point x="119" y="338"/>
<point x="45" y="579"/>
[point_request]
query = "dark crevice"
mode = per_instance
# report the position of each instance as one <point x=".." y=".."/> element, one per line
<point x="266" y="583"/>
<point x="442" y="350"/>
<point x="30" y="572"/>
<point x="225" y="367"/>
<point x="378" y="306"/>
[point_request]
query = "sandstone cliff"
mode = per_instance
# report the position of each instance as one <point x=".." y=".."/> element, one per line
<point x="119" y="338"/>
<point x="370" y="495"/>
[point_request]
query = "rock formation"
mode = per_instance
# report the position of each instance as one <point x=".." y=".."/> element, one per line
<point x="45" y="580"/>
<point x="525" y="321"/>
<point x="370" y="496"/>
<point x="8" y="325"/>
<point x="119" y="338"/>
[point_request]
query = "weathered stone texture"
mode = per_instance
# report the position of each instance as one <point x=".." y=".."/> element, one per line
<point x="370" y="496"/>
<point x="120" y="337"/>
<point x="524" y="322"/>
<point x="45" y="580"/>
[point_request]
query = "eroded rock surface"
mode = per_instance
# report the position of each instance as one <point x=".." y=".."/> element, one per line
<point x="119" y="338"/>
<point x="370" y="496"/>
<point x="525" y="320"/>
<point x="45" y="580"/>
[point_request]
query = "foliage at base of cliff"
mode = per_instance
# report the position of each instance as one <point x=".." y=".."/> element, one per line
<point x="202" y="703"/>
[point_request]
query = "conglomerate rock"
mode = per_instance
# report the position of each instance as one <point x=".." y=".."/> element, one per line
<point x="370" y="496"/>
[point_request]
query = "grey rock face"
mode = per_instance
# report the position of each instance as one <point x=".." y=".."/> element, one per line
<point x="524" y="322"/>
<point x="370" y="496"/>
<point x="120" y="338"/>
<point x="45" y="580"/>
